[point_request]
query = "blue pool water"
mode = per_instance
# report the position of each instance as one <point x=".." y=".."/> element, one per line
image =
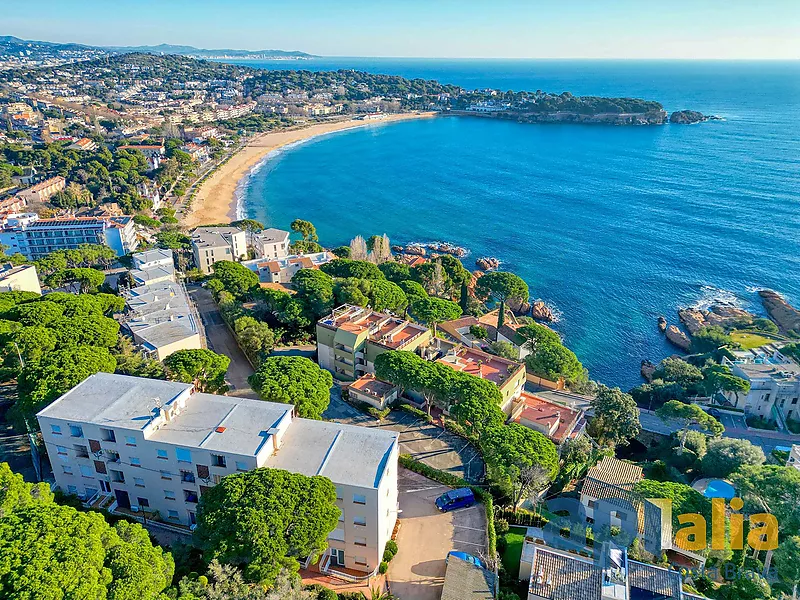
<point x="611" y="226"/>
<point x="718" y="488"/>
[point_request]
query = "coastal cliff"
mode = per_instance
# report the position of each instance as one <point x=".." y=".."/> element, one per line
<point x="779" y="310"/>
<point x="724" y="315"/>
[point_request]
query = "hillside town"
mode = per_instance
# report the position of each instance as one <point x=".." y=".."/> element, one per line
<point x="231" y="410"/>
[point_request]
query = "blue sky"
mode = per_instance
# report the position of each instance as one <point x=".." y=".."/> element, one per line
<point x="415" y="28"/>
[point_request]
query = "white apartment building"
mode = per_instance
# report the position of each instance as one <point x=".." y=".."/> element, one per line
<point x="35" y="238"/>
<point x="159" y="445"/>
<point x="213" y="244"/>
<point x="153" y="266"/>
<point x="774" y="384"/>
<point x="22" y="278"/>
<point x="794" y="457"/>
<point x="271" y="243"/>
<point x="161" y="319"/>
<point x="283" y="270"/>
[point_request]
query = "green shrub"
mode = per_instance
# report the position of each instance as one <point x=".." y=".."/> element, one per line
<point x="383" y="567"/>
<point x="392" y="545"/>
<point x="322" y="592"/>
<point x="421" y="414"/>
<point x="501" y="526"/>
<point x="351" y="596"/>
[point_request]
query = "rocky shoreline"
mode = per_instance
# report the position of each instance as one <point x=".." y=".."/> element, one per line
<point x="653" y="117"/>
<point x="690" y="117"/>
<point x="786" y="317"/>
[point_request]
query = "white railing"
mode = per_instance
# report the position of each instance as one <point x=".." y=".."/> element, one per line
<point x="351" y="578"/>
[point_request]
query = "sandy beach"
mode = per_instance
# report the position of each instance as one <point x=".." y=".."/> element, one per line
<point x="215" y="201"/>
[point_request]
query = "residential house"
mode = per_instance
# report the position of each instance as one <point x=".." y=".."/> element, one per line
<point x="83" y="144"/>
<point x="605" y="479"/>
<point x="157" y="445"/>
<point x="44" y="190"/>
<point x="774" y="384"/>
<point x="153" y="153"/>
<point x="557" y="421"/>
<point x="464" y="580"/>
<point x="22" y="278"/>
<point x="507" y="375"/>
<point x="352" y="337"/>
<point x="153" y="266"/>
<point x="370" y="390"/>
<point x="12" y="204"/>
<point x="458" y="330"/>
<point x="213" y="244"/>
<point x="271" y="243"/>
<point x="556" y="575"/>
<point x="197" y="152"/>
<point x="161" y="319"/>
<point x="282" y="270"/>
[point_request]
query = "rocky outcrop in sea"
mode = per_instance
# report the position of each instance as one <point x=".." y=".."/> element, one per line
<point x="786" y="317"/>
<point x="678" y="338"/>
<point x="541" y="312"/>
<point x="722" y="314"/>
<point x="689" y="117"/>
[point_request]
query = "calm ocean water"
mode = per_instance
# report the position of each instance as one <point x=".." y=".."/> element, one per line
<point x="611" y="226"/>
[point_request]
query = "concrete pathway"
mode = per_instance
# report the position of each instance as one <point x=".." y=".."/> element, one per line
<point x="221" y="341"/>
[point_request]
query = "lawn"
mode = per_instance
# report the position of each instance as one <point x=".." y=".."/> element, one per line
<point x="515" y="539"/>
<point x="750" y="340"/>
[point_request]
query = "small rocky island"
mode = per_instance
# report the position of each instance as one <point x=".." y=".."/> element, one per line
<point x="690" y="117"/>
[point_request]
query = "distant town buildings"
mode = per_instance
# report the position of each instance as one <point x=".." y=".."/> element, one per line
<point x="159" y="446"/>
<point x="213" y="244"/>
<point x="351" y="337"/>
<point x="22" y="278"/>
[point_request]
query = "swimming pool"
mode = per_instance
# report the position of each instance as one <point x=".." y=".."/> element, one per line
<point x="719" y="488"/>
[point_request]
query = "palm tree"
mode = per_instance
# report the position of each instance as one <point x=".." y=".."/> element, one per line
<point x="377" y="593"/>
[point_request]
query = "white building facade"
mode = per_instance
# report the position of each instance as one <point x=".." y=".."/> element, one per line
<point x="159" y="445"/>
<point x="213" y="244"/>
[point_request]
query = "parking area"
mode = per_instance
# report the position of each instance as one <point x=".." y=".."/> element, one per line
<point x="426" y="536"/>
<point x="435" y="446"/>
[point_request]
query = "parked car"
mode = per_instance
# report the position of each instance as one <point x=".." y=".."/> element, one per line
<point x="460" y="498"/>
<point x="715" y="413"/>
<point x="467" y="557"/>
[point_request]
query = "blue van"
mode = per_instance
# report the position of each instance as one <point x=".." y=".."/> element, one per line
<point x="460" y="498"/>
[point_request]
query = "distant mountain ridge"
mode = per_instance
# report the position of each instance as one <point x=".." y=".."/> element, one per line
<point x="15" y="44"/>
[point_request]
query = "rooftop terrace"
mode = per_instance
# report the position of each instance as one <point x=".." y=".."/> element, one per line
<point x="388" y="331"/>
<point x="481" y="364"/>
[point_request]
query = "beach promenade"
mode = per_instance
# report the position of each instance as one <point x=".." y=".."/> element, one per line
<point x="215" y="201"/>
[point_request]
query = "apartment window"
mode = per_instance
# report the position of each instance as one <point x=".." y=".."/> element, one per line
<point x="86" y="471"/>
<point x="130" y="440"/>
<point x="187" y="476"/>
<point x="591" y="503"/>
<point x="100" y="466"/>
<point x="81" y="451"/>
<point x="240" y="466"/>
<point x="172" y="514"/>
<point x="161" y="454"/>
<point x="183" y="455"/>
<point x="71" y="489"/>
<point x="113" y="456"/>
<point x="117" y="476"/>
<point x="55" y="429"/>
<point x="360" y="560"/>
<point x="138" y="482"/>
<point x="62" y="451"/>
<point x="169" y="495"/>
<point x="794" y="400"/>
<point x="359" y="499"/>
<point x="360" y="541"/>
<point x="166" y="475"/>
<point x="202" y="471"/>
<point x="338" y="493"/>
<point x="108" y="435"/>
<point x="143" y="502"/>
<point x="190" y="496"/>
<point x="360" y="521"/>
<point x="217" y="460"/>
<point x="76" y="431"/>
<point x="136" y="462"/>
<point x="341" y="515"/>
<point x="67" y="469"/>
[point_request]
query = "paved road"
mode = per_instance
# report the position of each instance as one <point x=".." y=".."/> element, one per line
<point x="432" y="445"/>
<point x="221" y="341"/>
<point x="15" y="448"/>
<point x="426" y="536"/>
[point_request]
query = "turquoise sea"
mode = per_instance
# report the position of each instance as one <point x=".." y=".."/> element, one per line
<point x="612" y="226"/>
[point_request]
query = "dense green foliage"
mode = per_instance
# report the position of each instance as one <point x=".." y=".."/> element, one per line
<point x="204" y="368"/>
<point x="501" y="286"/>
<point x="294" y="380"/>
<point x="264" y="519"/>
<point x="616" y="417"/>
<point x="236" y="278"/>
<point x="689" y="415"/>
<point x="725" y="456"/>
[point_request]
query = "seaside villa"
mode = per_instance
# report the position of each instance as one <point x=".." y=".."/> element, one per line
<point x="351" y="337"/>
<point x="283" y="269"/>
<point x="157" y="446"/>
